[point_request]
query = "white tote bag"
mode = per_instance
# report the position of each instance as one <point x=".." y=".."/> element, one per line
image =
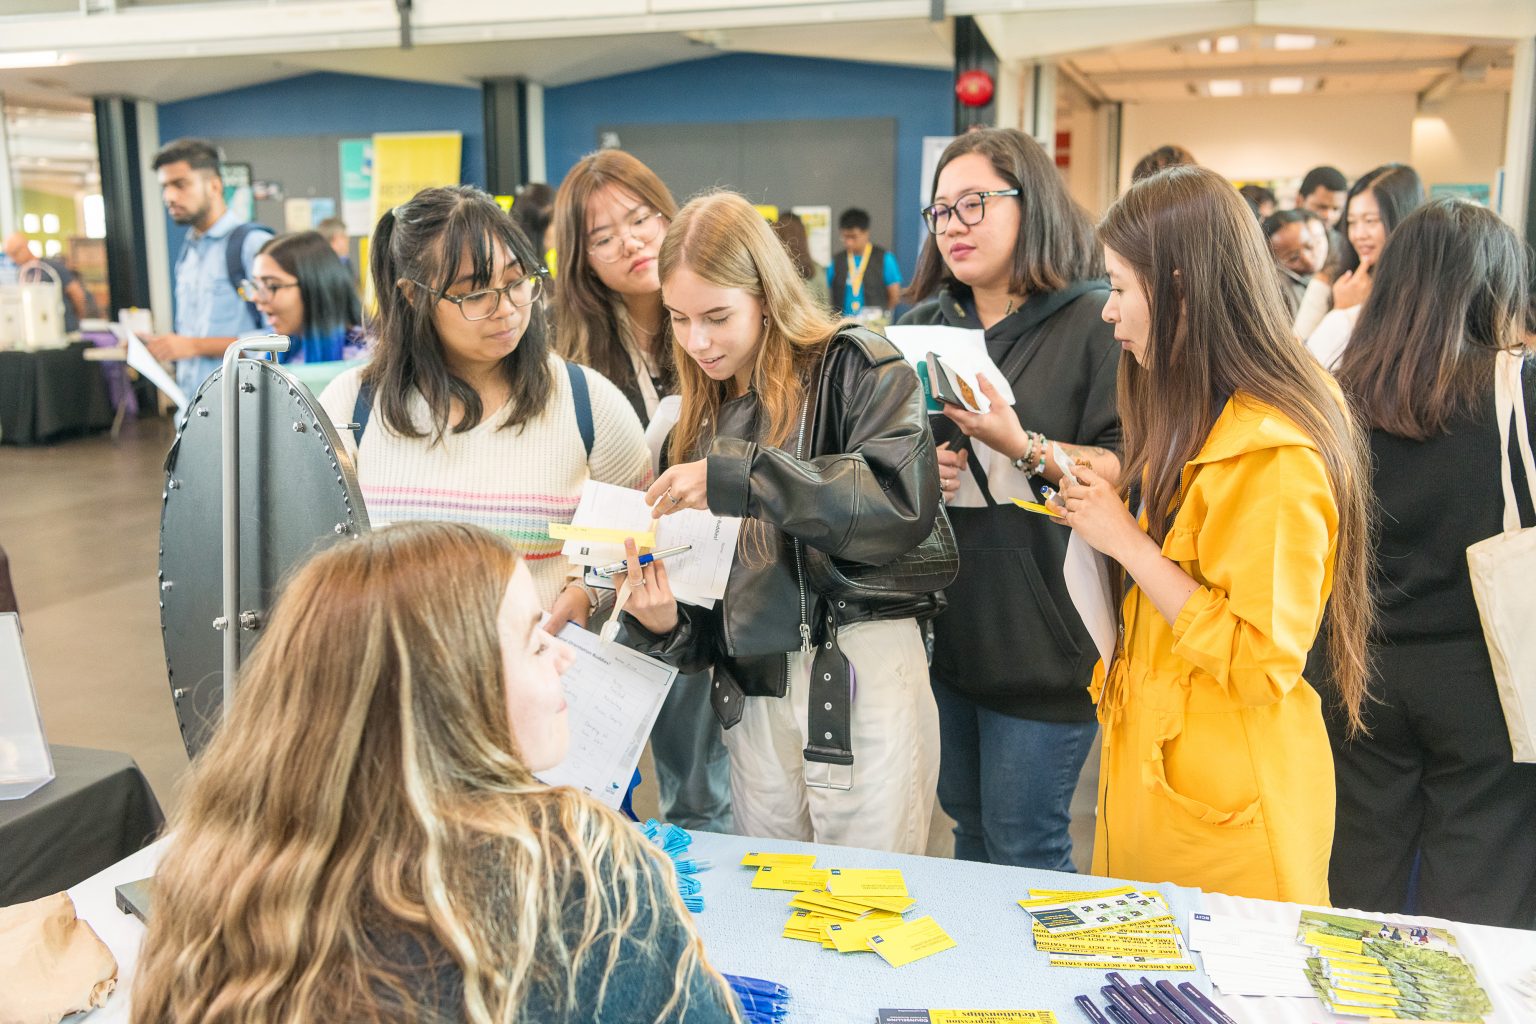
<point x="1503" y="567"/>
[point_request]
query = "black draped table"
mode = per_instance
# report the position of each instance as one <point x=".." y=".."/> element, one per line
<point x="51" y="393"/>
<point x="97" y="810"/>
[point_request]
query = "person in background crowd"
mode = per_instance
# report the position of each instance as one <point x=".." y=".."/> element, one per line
<point x="534" y="210"/>
<point x="1299" y="243"/>
<point x="1377" y="203"/>
<point x="465" y="412"/>
<point x="867" y="276"/>
<point x="1324" y="192"/>
<point x="365" y="838"/>
<point x="1252" y="489"/>
<point x="610" y="214"/>
<point x="303" y="290"/>
<point x="609" y="217"/>
<point x="1171" y="155"/>
<point x="216" y="255"/>
<point x="791" y="231"/>
<point x="1433" y="787"/>
<point x="855" y="479"/>
<point x="334" y="231"/>
<point x="78" y="304"/>
<point x="1260" y="198"/>
<point x="1011" y="253"/>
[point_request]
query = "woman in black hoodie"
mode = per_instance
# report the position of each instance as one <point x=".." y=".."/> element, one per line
<point x="1013" y="254"/>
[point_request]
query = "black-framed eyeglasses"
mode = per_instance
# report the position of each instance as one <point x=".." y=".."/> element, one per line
<point x="250" y="290"/>
<point x="483" y="304"/>
<point x="643" y="226"/>
<point x="970" y="208"/>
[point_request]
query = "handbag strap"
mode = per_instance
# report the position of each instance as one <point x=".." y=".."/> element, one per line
<point x="1509" y="403"/>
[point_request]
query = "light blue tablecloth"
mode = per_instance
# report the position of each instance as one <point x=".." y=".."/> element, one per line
<point x="994" y="964"/>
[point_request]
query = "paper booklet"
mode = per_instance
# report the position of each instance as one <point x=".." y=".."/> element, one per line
<point x="961" y="349"/>
<point x="606" y="513"/>
<point x="612" y="697"/>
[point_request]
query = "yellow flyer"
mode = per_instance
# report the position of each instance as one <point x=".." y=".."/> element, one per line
<point x="882" y="882"/>
<point x="853" y="936"/>
<point x="778" y="860"/>
<point x="790" y="879"/>
<point x="912" y="940"/>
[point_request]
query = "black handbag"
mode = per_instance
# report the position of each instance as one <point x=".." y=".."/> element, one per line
<point x="929" y="567"/>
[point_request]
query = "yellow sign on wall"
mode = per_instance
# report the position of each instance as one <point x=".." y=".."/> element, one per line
<point x="404" y="163"/>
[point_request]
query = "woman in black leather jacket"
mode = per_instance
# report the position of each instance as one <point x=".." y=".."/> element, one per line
<point x="814" y="432"/>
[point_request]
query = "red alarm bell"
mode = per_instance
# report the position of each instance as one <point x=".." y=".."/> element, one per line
<point x="974" y="87"/>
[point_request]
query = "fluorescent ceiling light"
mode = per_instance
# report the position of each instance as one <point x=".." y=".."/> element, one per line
<point x="1224" y="87"/>
<point x="1291" y="41"/>
<point x="31" y="59"/>
<point x="1221" y="44"/>
<point x="1287" y="85"/>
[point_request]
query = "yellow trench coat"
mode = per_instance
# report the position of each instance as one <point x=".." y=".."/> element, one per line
<point x="1216" y="770"/>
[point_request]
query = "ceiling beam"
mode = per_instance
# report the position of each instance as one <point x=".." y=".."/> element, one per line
<point x="1292" y="70"/>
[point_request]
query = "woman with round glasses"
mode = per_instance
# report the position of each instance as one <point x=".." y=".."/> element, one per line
<point x="610" y="215"/>
<point x="465" y="414"/>
<point x="301" y="287"/>
<point x="1011" y="254"/>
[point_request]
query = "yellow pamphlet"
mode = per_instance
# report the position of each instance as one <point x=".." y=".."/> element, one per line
<point x="818" y="901"/>
<point x="884" y="882"/>
<point x="779" y="860"/>
<point x="853" y="936"/>
<point x="894" y="904"/>
<point x="790" y="879"/>
<point x="601" y="535"/>
<point x="909" y="941"/>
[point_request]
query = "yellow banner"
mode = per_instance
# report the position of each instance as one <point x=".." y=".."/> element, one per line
<point x="404" y="163"/>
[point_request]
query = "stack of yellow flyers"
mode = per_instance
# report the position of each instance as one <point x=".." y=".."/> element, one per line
<point x="1107" y="929"/>
<point x="850" y="910"/>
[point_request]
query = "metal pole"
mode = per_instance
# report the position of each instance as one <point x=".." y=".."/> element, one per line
<point x="229" y="622"/>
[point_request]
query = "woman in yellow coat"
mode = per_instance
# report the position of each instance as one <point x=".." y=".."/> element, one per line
<point x="1252" y="499"/>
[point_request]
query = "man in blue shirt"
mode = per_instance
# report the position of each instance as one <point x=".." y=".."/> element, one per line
<point x="866" y="277"/>
<point x="210" y="312"/>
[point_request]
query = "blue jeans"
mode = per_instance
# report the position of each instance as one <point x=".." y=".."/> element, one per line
<point x="1008" y="783"/>
<point x="693" y="772"/>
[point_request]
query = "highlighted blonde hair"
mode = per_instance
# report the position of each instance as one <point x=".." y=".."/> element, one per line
<point x="367" y="788"/>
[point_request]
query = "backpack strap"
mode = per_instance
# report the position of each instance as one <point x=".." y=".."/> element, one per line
<point x="234" y="261"/>
<point x="362" y="408"/>
<point x="582" y="399"/>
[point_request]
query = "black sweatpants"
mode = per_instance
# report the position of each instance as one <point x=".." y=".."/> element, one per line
<point x="1435" y="778"/>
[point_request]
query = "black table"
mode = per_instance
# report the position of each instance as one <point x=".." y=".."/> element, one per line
<point x="51" y="393"/>
<point x="97" y="810"/>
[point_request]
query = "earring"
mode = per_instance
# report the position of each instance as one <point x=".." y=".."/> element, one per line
<point x="765" y="321"/>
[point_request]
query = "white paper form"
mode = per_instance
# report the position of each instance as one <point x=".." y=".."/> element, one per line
<point x="963" y="349"/>
<point x="697" y="576"/>
<point x="148" y="366"/>
<point x="612" y="696"/>
<point x="1087" y="577"/>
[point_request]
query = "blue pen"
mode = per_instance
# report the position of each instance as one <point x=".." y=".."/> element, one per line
<point x="1138" y="1000"/>
<point x="1089" y="1010"/>
<point x="614" y="568"/>
<point x="1117" y="1000"/>
<point x="1170" y="1006"/>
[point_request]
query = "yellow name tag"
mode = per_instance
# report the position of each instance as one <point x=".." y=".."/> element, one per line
<point x="914" y="940"/>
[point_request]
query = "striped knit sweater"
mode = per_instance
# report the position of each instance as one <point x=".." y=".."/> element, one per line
<point x="514" y="481"/>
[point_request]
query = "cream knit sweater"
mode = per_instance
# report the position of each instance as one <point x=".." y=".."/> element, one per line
<point x="514" y="481"/>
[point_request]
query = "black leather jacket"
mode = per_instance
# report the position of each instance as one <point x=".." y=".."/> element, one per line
<point x="861" y="483"/>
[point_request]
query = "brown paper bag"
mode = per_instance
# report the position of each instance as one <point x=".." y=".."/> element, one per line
<point x="52" y="963"/>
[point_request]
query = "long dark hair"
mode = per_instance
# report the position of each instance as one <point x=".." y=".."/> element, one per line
<point x="791" y="231"/>
<point x="423" y="241"/>
<point x="1218" y="328"/>
<point x="1055" y="245"/>
<point x="331" y="306"/>
<point x="594" y="329"/>
<point x="1398" y="193"/>
<point x="1450" y="293"/>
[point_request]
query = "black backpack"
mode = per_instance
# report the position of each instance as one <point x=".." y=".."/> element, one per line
<point x="234" y="262"/>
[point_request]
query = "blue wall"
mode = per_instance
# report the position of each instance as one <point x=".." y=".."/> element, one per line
<point x="332" y="104"/>
<point x="753" y="87"/>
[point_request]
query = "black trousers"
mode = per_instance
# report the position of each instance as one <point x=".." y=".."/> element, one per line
<point x="1434" y="780"/>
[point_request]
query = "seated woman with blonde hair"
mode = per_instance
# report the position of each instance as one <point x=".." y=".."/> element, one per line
<point x="364" y="839"/>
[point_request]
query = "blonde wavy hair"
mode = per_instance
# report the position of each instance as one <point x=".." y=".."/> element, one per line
<point x="367" y="787"/>
<point x="724" y="240"/>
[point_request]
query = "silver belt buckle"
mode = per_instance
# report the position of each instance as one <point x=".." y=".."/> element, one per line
<point x="821" y="775"/>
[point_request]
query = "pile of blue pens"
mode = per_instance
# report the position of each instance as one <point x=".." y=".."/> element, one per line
<point x="675" y="841"/>
<point x="762" y="1002"/>
<point x="1149" y="1002"/>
